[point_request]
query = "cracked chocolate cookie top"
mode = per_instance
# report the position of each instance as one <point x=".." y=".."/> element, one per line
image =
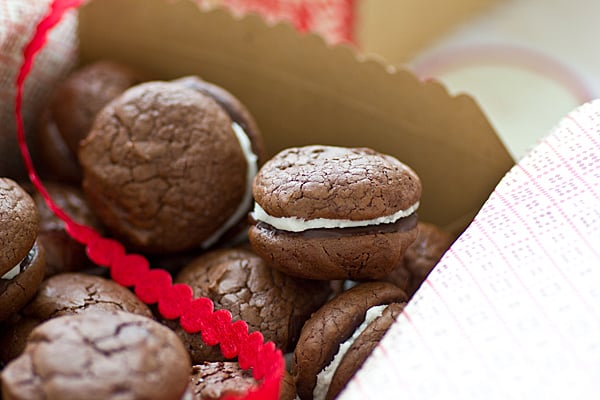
<point x="76" y="293"/>
<point x="162" y="167"/>
<point x="99" y="356"/>
<point x="66" y="294"/>
<point x="18" y="224"/>
<point x="271" y="302"/>
<point x="335" y="183"/>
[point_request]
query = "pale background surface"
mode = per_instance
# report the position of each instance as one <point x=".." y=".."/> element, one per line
<point x="527" y="62"/>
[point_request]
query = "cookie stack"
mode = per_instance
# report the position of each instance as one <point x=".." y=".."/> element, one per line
<point x="318" y="248"/>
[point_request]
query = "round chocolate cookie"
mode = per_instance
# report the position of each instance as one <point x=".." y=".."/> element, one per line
<point x="63" y="254"/>
<point x="21" y="258"/>
<point x="99" y="355"/>
<point x="361" y="348"/>
<point x="329" y="333"/>
<point x="237" y="280"/>
<point x="326" y="212"/>
<point x="69" y="116"/>
<point x="66" y="294"/>
<point x="153" y="162"/>
<point x="420" y="258"/>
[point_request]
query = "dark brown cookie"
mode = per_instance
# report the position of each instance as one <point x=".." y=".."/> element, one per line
<point x="69" y="116"/>
<point x="327" y="212"/>
<point x="63" y="254"/>
<point x="67" y="294"/>
<point x="237" y="280"/>
<point x="153" y="161"/>
<point x="331" y="326"/>
<point x="21" y="258"/>
<point x="420" y="258"/>
<point x="361" y="348"/>
<point x="99" y="355"/>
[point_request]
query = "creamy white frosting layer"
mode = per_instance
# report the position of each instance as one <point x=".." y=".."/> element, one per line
<point x="295" y="224"/>
<point x="324" y="377"/>
<point x="16" y="270"/>
<point x="251" y="170"/>
<point x="188" y="395"/>
<point x="13" y="272"/>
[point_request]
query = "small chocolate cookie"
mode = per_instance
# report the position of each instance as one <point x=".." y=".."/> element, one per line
<point x="326" y="212"/>
<point x="69" y="116"/>
<point x="99" y="355"/>
<point x="420" y="258"/>
<point x="21" y="258"/>
<point x="361" y="348"/>
<point x="237" y="280"/>
<point x="152" y="162"/>
<point x="67" y="294"/>
<point x="328" y="331"/>
<point x="63" y="254"/>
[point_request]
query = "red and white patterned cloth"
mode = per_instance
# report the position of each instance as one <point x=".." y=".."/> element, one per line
<point x="513" y="309"/>
<point x="17" y="22"/>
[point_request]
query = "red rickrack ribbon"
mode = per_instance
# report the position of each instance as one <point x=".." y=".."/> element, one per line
<point x="154" y="286"/>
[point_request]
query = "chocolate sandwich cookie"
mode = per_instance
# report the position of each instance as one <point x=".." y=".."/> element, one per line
<point x="99" y="355"/>
<point x="325" y="212"/>
<point x="420" y="258"/>
<point x="340" y="335"/>
<point x="73" y="107"/>
<point x="166" y="169"/>
<point x="63" y="254"/>
<point x="238" y="280"/>
<point x="66" y="294"/>
<point x="21" y="258"/>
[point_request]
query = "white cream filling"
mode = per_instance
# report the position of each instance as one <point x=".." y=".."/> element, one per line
<point x="251" y="170"/>
<point x="188" y="395"/>
<point x="324" y="377"/>
<point x="13" y="272"/>
<point x="16" y="270"/>
<point x="295" y="224"/>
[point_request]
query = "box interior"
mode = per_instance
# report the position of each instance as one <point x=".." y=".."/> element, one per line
<point x="400" y="29"/>
<point x="302" y="91"/>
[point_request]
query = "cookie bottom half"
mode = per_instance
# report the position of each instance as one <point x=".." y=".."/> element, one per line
<point x="324" y="254"/>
